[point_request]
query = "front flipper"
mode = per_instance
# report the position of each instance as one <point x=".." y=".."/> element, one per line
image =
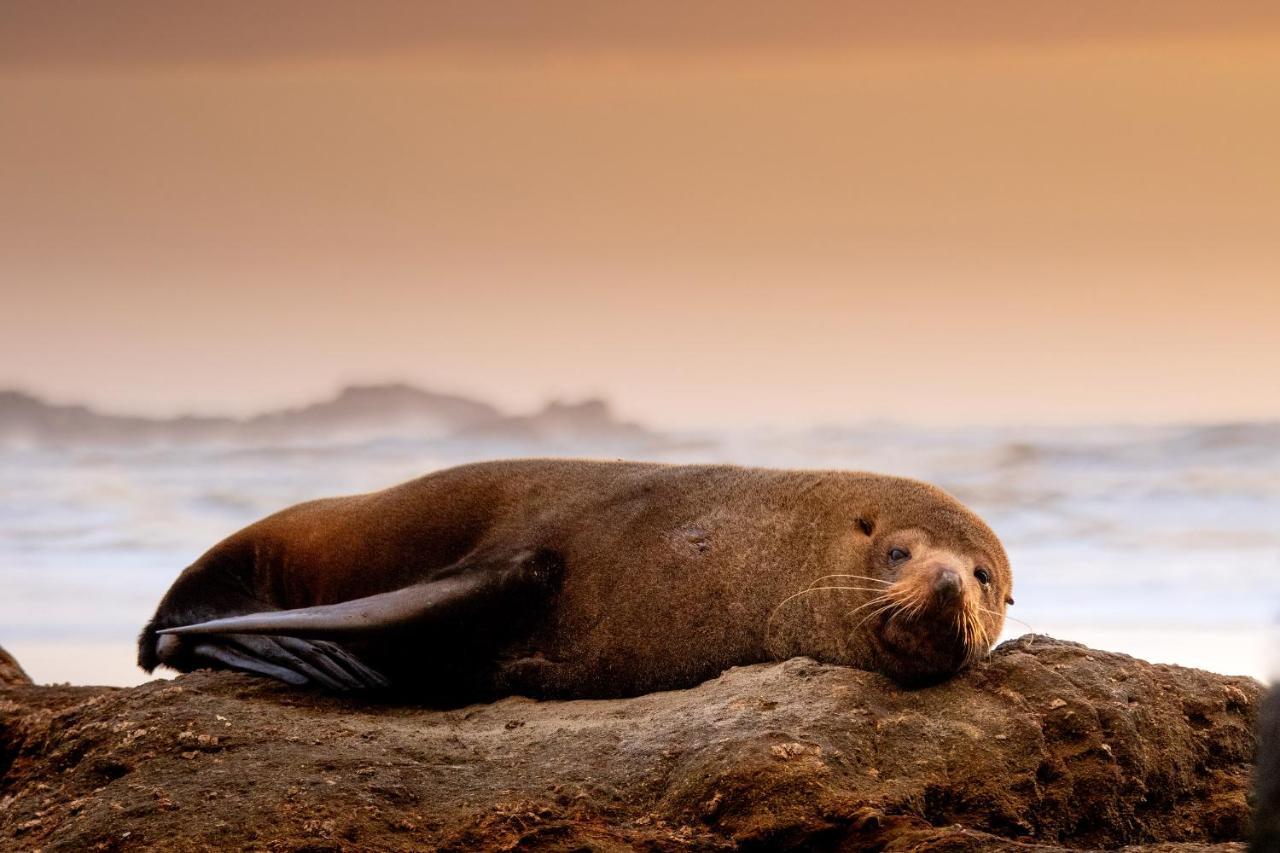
<point x="469" y="587"/>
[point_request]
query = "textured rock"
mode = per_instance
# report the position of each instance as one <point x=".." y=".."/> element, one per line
<point x="1266" y="783"/>
<point x="11" y="674"/>
<point x="1047" y="745"/>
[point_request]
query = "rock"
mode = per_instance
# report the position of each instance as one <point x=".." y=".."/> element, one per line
<point x="10" y="673"/>
<point x="1047" y="745"/>
<point x="1266" y="784"/>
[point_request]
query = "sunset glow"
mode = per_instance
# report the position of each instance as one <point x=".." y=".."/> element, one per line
<point x="1001" y="217"/>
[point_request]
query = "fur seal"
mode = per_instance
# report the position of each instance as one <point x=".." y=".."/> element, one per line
<point x="566" y="578"/>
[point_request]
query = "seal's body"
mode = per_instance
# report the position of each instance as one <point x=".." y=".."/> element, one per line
<point x="560" y="578"/>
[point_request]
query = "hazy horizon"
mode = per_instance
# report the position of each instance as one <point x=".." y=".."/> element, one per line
<point x="879" y="422"/>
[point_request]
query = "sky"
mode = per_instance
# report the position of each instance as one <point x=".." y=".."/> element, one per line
<point x="722" y="213"/>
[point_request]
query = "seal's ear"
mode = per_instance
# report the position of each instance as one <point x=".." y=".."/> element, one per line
<point x="866" y="526"/>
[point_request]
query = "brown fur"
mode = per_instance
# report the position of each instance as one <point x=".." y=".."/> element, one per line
<point x="671" y="574"/>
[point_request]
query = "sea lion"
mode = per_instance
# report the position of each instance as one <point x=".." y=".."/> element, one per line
<point x="565" y="578"/>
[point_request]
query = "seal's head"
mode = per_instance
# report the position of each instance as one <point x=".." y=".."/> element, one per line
<point x="946" y="582"/>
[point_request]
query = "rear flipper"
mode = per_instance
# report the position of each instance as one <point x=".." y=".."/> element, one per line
<point x="270" y="643"/>
<point x="291" y="660"/>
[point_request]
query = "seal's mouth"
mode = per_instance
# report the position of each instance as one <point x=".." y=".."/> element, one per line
<point x="928" y="629"/>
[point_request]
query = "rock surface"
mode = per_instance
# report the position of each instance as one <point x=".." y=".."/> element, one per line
<point x="1046" y="745"/>
<point x="11" y="675"/>
<point x="1266" y="782"/>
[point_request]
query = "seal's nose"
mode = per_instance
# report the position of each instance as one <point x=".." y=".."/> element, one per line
<point x="946" y="585"/>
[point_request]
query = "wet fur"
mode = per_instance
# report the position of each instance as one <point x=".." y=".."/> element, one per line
<point x="671" y="574"/>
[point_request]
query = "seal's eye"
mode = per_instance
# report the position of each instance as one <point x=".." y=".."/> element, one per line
<point x="983" y="576"/>
<point x="897" y="555"/>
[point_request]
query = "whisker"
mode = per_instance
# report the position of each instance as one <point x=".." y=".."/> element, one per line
<point x="822" y="588"/>
<point x="980" y="636"/>
<point x="858" y="577"/>
<point x="879" y="599"/>
<point x="872" y="615"/>
<point x="964" y="629"/>
<point x="915" y="603"/>
<point x="875" y="599"/>
<point x="890" y="606"/>
<point x="819" y="588"/>
<point x="816" y="589"/>
<point x="1026" y="625"/>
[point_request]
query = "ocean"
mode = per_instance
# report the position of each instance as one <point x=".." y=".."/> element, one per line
<point x="1159" y="542"/>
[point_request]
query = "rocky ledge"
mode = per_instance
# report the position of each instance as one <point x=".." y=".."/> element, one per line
<point x="1047" y="745"/>
<point x="11" y="675"/>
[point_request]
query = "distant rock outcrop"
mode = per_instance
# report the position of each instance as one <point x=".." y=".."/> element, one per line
<point x="562" y="423"/>
<point x="371" y="410"/>
<point x="357" y="413"/>
<point x="26" y="419"/>
<point x="1046" y="746"/>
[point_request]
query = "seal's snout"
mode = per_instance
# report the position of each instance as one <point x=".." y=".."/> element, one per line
<point x="946" y="584"/>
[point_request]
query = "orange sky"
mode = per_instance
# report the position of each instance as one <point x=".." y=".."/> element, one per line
<point x="1025" y="211"/>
